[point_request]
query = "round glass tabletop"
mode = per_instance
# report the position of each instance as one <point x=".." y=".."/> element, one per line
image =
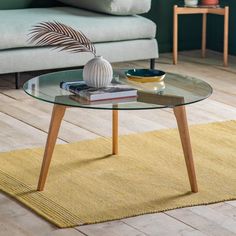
<point x="175" y="90"/>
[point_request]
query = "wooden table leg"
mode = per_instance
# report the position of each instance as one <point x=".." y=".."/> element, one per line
<point x="56" y="119"/>
<point x="181" y="118"/>
<point x="115" y="135"/>
<point x="204" y="28"/>
<point x="226" y="36"/>
<point x="175" y="36"/>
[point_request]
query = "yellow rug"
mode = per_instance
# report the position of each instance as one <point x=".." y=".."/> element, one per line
<point x="87" y="185"/>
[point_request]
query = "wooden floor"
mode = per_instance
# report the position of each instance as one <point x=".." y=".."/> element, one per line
<point x="24" y="123"/>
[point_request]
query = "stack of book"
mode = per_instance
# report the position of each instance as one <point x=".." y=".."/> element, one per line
<point x="83" y="91"/>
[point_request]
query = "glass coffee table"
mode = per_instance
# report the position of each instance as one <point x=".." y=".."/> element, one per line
<point x="175" y="92"/>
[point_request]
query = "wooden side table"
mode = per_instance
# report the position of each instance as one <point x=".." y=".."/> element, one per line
<point x="204" y="11"/>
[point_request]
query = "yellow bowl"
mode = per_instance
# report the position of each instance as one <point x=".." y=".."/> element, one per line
<point x="146" y="79"/>
<point x="145" y="75"/>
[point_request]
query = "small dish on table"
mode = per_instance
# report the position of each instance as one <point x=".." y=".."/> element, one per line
<point x="146" y="79"/>
<point x="145" y="75"/>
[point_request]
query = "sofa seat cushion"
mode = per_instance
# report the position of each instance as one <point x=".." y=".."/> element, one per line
<point x="114" y="7"/>
<point x="40" y="58"/>
<point x="16" y="24"/>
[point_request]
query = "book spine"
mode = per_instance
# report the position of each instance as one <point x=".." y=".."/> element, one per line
<point x="108" y="96"/>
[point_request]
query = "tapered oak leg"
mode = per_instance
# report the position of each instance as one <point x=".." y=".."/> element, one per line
<point x="181" y="118"/>
<point x="204" y="28"/>
<point x="175" y="36"/>
<point x="115" y="138"/>
<point x="57" y="116"/>
<point x="226" y="36"/>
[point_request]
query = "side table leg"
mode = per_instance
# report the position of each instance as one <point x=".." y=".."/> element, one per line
<point x="226" y="36"/>
<point x="56" y="119"/>
<point x="181" y="118"/>
<point x="115" y="135"/>
<point x="204" y="28"/>
<point x="175" y="37"/>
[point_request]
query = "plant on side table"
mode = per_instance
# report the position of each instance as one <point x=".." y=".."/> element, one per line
<point x="210" y="2"/>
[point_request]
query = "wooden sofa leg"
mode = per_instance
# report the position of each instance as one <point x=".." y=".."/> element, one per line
<point x="152" y="63"/>
<point x="17" y="80"/>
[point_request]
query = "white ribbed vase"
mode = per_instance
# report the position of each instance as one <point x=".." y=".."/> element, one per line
<point x="98" y="72"/>
<point x="191" y="3"/>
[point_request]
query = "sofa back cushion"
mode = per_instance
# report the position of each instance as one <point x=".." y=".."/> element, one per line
<point x="114" y="7"/>
<point x="20" y="4"/>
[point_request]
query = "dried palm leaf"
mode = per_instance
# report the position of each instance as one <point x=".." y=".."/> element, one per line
<point x="62" y="37"/>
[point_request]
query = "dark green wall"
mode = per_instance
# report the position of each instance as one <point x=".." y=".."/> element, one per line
<point x="216" y="26"/>
<point x="18" y="4"/>
<point x="189" y="34"/>
<point x="190" y="27"/>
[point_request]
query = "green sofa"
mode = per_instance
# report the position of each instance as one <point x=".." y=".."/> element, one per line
<point x="117" y="38"/>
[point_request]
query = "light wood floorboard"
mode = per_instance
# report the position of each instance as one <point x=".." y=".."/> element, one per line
<point x="156" y="224"/>
<point x="17" y="220"/>
<point x="24" y="123"/>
